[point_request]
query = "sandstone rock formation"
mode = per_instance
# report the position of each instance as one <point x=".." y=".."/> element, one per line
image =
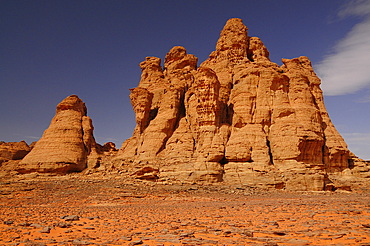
<point x="238" y="117"/>
<point x="13" y="150"/>
<point x="66" y="145"/>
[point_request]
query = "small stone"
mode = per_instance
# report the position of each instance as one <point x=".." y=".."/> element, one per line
<point x="35" y="243"/>
<point x="92" y="218"/>
<point x="366" y="225"/>
<point x="35" y="225"/>
<point x="227" y="233"/>
<point x="210" y="242"/>
<point x="71" y="218"/>
<point x="137" y="242"/>
<point x="247" y="233"/>
<point x="26" y="224"/>
<point x="279" y="233"/>
<point x="184" y="234"/>
<point x="89" y="228"/>
<point x="126" y="238"/>
<point x="46" y="229"/>
<point x="63" y="225"/>
<point x="271" y="244"/>
<point x="80" y="242"/>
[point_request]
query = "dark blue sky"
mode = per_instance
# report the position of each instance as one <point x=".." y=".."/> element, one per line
<point x="52" y="49"/>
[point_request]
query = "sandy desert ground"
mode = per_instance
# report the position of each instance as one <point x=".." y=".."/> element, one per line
<point x="111" y="210"/>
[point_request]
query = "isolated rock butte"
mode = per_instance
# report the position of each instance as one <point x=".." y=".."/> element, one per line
<point x="66" y="145"/>
<point x="238" y="117"/>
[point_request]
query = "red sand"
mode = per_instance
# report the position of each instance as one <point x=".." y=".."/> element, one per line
<point x="113" y="211"/>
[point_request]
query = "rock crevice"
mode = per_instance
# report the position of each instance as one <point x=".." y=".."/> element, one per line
<point x="235" y="115"/>
<point x="238" y="118"/>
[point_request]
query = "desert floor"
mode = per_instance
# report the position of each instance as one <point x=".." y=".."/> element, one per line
<point x="95" y="210"/>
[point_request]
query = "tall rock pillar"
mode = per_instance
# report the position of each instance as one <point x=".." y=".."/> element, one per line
<point x="66" y="144"/>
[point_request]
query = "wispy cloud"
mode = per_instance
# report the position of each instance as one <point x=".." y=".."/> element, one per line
<point x="363" y="99"/>
<point x="347" y="69"/>
<point x="32" y="137"/>
<point x="358" y="143"/>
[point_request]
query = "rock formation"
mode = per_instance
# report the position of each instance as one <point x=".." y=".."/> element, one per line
<point x="66" y="145"/>
<point x="13" y="151"/>
<point x="238" y="117"/>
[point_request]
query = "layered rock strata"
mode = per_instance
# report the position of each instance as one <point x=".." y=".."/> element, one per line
<point x="67" y="143"/>
<point x="13" y="150"/>
<point x="238" y="117"/>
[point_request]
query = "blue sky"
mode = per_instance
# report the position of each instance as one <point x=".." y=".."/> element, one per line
<point x="51" y="49"/>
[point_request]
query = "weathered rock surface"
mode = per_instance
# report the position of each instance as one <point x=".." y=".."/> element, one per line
<point x="66" y="145"/>
<point x="11" y="153"/>
<point x="13" y="150"/>
<point x="238" y="117"/>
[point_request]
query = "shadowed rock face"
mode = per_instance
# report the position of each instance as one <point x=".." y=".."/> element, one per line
<point x="66" y="144"/>
<point x="13" y="150"/>
<point x="238" y="117"/>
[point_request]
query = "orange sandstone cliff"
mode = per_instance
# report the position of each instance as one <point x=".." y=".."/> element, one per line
<point x="238" y="118"/>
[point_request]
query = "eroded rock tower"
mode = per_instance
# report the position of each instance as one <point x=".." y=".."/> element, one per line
<point x="238" y="117"/>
